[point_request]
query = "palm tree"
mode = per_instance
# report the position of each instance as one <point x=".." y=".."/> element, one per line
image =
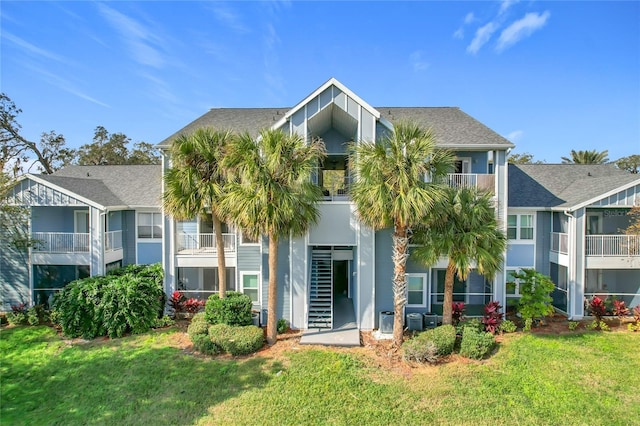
<point x="194" y="185"/>
<point x="463" y="227"/>
<point x="391" y="190"/>
<point x="587" y="157"/>
<point x="272" y="194"/>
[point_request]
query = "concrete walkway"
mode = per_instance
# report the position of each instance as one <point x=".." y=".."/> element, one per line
<point x="345" y="331"/>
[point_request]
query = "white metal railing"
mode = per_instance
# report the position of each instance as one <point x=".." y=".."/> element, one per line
<point x="472" y="180"/>
<point x="60" y="242"/>
<point x="560" y="242"/>
<point x="613" y="245"/>
<point x="112" y="240"/>
<point x="204" y="242"/>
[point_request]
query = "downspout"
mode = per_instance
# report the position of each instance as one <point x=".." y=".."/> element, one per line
<point x="571" y="251"/>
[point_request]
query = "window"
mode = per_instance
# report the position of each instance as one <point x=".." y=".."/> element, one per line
<point x="416" y="290"/>
<point x="513" y="285"/>
<point x="250" y="285"/>
<point x="149" y="225"/>
<point x="520" y="227"/>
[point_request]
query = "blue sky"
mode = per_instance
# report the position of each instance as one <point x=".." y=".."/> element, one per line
<point x="549" y="76"/>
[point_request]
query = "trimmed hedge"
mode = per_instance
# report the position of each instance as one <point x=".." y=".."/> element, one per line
<point x="237" y="340"/>
<point x="444" y="338"/>
<point x="234" y="309"/>
<point x="121" y="302"/>
<point x="420" y="350"/>
<point x="475" y="344"/>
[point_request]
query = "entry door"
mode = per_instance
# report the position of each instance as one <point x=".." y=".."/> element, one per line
<point x="463" y="165"/>
<point x="81" y="222"/>
<point x="594" y="223"/>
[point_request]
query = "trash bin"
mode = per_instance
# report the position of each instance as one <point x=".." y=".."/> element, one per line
<point x="255" y="318"/>
<point x="414" y="322"/>
<point x="386" y="322"/>
<point x="430" y="320"/>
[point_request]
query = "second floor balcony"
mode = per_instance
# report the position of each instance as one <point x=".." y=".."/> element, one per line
<point x="613" y="245"/>
<point x="60" y="242"/>
<point x="203" y="243"/>
<point x="483" y="182"/>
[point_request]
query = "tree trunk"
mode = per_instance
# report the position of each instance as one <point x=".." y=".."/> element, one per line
<point x="222" y="264"/>
<point x="447" y="305"/>
<point x="400" y="255"/>
<point x="272" y="318"/>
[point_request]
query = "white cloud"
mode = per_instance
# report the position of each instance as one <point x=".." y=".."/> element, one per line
<point x="506" y="4"/>
<point x="515" y="136"/>
<point x="418" y="61"/>
<point x="470" y="18"/>
<point x="521" y="28"/>
<point x="483" y="34"/>
<point x="31" y="48"/>
<point x="142" y="41"/>
<point x="229" y="18"/>
<point x="459" y="34"/>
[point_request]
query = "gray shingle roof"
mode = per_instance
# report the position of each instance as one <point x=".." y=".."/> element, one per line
<point x="131" y="185"/>
<point x="452" y="127"/>
<point x="562" y="185"/>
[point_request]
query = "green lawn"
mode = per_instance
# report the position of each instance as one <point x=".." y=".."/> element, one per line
<point x="576" y="379"/>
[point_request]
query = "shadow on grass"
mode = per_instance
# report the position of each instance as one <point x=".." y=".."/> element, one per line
<point x="133" y="380"/>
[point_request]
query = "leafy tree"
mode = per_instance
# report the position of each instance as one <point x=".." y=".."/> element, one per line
<point x="587" y="157"/>
<point x="196" y="182"/>
<point x="535" y="295"/>
<point x="110" y="149"/>
<point x="272" y="194"/>
<point x="630" y="163"/>
<point x="524" y="158"/>
<point x="463" y="227"/>
<point x="15" y="150"/>
<point x="391" y="192"/>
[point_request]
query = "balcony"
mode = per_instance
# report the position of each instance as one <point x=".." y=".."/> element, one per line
<point x="194" y="243"/>
<point x="613" y="245"/>
<point x="560" y="242"/>
<point x="61" y="242"/>
<point x="112" y="240"/>
<point x="483" y="182"/>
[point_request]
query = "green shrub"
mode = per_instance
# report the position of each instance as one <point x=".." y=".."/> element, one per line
<point x="198" y="325"/>
<point x="535" y="294"/>
<point x="113" y="305"/>
<point x="420" y="350"/>
<point x="237" y="340"/>
<point x="474" y="323"/>
<point x="573" y="325"/>
<point x="443" y="337"/>
<point x="282" y="326"/>
<point x="17" y="318"/>
<point x="234" y="309"/>
<point x="202" y="343"/>
<point x="476" y="345"/>
<point x="507" y="326"/>
<point x="163" y="321"/>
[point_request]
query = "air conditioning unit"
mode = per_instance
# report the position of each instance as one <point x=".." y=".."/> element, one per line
<point x="414" y="322"/>
<point x="386" y="322"/>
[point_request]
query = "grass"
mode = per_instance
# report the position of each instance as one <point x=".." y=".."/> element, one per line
<point x="589" y="378"/>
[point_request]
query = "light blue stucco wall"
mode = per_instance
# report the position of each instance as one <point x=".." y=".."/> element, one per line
<point x="284" y="282"/>
<point x="14" y="274"/>
<point x="520" y="255"/>
<point x="479" y="160"/>
<point x="54" y="219"/>
<point x="128" y="237"/>
<point x="543" y="241"/>
<point x="149" y="253"/>
<point x="114" y="221"/>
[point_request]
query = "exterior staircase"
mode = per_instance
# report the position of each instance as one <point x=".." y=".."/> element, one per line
<point x="321" y="290"/>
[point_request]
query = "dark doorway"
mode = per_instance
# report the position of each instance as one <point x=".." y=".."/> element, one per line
<point x="341" y="277"/>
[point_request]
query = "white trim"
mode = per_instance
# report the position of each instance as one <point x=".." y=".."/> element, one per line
<point x="61" y="189"/>
<point x="603" y="196"/>
<point x="425" y="282"/>
<point x="240" y="285"/>
<point x="518" y="239"/>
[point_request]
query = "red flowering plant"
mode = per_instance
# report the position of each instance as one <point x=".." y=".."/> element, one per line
<point x="457" y="309"/>
<point x="492" y="317"/>
<point x="619" y="308"/>
<point x="177" y="301"/>
<point x="193" y="305"/>
<point x="598" y="309"/>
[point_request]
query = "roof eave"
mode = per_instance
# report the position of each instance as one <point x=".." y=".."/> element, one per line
<point x="85" y="200"/>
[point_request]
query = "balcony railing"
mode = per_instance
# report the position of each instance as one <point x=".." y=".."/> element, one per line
<point x="112" y="240"/>
<point x="60" y="242"/>
<point x="613" y="245"/>
<point x="560" y="242"/>
<point x="204" y="243"/>
<point x="484" y="182"/>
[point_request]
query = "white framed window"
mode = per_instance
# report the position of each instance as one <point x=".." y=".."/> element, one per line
<point x="520" y="227"/>
<point x="250" y="282"/>
<point x="149" y="225"/>
<point x="416" y="290"/>
<point x="513" y="284"/>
